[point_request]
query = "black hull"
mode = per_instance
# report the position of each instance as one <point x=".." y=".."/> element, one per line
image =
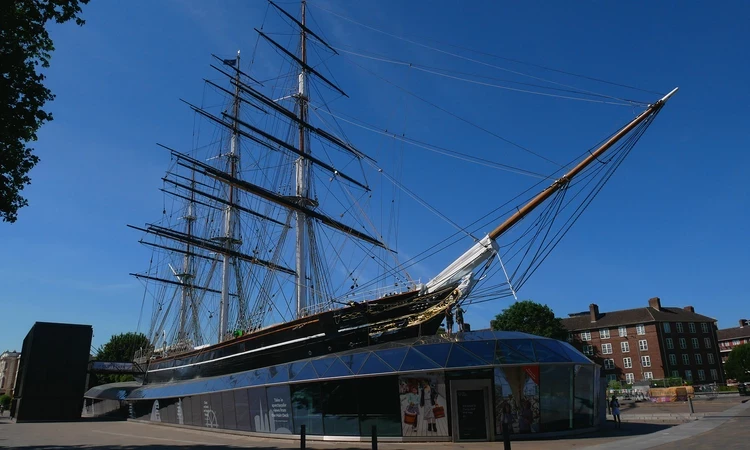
<point x="343" y="329"/>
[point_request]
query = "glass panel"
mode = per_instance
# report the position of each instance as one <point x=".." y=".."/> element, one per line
<point x="258" y="377"/>
<point x="279" y="409"/>
<point x="513" y="335"/>
<point x="295" y="368"/>
<point x="213" y="411"/>
<point x="340" y="417"/>
<point x="278" y="374"/>
<point x="259" y="416"/>
<point x="554" y="396"/>
<point x="306" y="373"/>
<point x="417" y="361"/>
<point x="228" y="414"/>
<point x="242" y="410"/>
<point x="522" y="346"/>
<point x="337" y="369"/>
<point x="321" y="365"/>
<point x="505" y="355"/>
<point x="375" y="365"/>
<point x="307" y="408"/>
<point x="393" y="357"/>
<point x="483" y="335"/>
<point x="518" y="389"/>
<point x="355" y="361"/>
<point x="575" y="355"/>
<point x="377" y="408"/>
<point x="583" y="408"/>
<point x="544" y="354"/>
<point x="423" y="404"/>
<point x="436" y="352"/>
<point x="483" y="349"/>
<point x="556" y="346"/>
<point x="461" y="358"/>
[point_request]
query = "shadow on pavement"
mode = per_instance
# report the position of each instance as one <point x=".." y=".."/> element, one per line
<point x="609" y="430"/>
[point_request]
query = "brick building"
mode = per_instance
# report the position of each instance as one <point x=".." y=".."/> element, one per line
<point x="8" y="370"/>
<point x="653" y="342"/>
<point x="732" y="337"/>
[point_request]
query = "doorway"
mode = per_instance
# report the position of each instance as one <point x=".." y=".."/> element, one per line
<point x="471" y="410"/>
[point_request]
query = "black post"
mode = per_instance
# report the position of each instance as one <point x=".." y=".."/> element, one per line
<point x="302" y="437"/>
<point x="374" y="437"/>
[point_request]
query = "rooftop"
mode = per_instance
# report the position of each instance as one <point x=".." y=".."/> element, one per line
<point x="743" y="331"/>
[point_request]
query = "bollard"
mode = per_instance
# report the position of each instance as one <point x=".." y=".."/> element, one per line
<point x="374" y="437"/>
<point x="690" y="405"/>
<point x="302" y="437"/>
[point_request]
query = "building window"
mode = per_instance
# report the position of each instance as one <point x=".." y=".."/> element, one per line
<point x="640" y="329"/>
<point x="609" y="364"/>
<point x="646" y="361"/>
<point x="604" y="333"/>
<point x="627" y="363"/>
<point x="707" y="342"/>
<point x="623" y="331"/>
<point x="585" y="336"/>
<point x="711" y="358"/>
<point x="704" y="327"/>
<point x="611" y="377"/>
<point x="625" y="347"/>
<point x="701" y="375"/>
<point x="648" y="375"/>
<point x="698" y="359"/>
<point x="736" y="342"/>
<point x="683" y="343"/>
<point x="691" y="327"/>
<point x="689" y="375"/>
<point x="714" y="374"/>
<point x="606" y="349"/>
<point x="678" y="325"/>
<point x="686" y="359"/>
<point x="695" y="342"/>
<point x="675" y="374"/>
<point x="670" y="344"/>
<point x="666" y="327"/>
<point x="673" y="359"/>
<point x="643" y="344"/>
<point x="629" y="378"/>
<point x="588" y="350"/>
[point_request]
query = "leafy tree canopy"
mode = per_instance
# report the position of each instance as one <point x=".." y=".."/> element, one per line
<point x="530" y="317"/>
<point x="5" y="400"/>
<point x="738" y="364"/>
<point x="122" y="347"/>
<point x="24" y="46"/>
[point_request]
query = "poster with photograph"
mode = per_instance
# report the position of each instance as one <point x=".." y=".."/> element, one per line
<point x="517" y="393"/>
<point x="423" y="405"/>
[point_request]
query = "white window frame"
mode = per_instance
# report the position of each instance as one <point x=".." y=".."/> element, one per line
<point x="683" y="343"/>
<point x="604" y="333"/>
<point x="606" y="349"/>
<point x="645" y="361"/>
<point x="670" y="344"/>
<point x="685" y="359"/>
<point x="629" y="378"/>
<point x="673" y="359"/>
<point x="648" y="375"/>
<point x="625" y="347"/>
<point x="701" y="375"/>
<point x="609" y="364"/>
<point x="588" y="350"/>
<point x="585" y="336"/>
<point x="643" y="345"/>
<point x="691" y="327"/>
<point x="678" y="325"/>
<point x="627" y="362"/>
<point x="667" y="328"/>
<point x="640" y="329"/>
<point x="623" y="331"/>
<point x="689" y="375"/>
<point x="695" y="343"/>
<point x="714" y="374"/>
<point x="704" y="327"/>
<point x="711" y="359"/>
<point x="698" y="359"/>
<point x="707" y="342"/>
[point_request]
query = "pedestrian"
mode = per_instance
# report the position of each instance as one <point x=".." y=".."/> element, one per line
<point x="460" y="318"/>
<point x="449" y="321"/>
<point x="614" y="405"/>
<point x="506" y="419"/>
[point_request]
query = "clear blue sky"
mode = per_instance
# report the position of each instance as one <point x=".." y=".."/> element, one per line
<point x="672" y="223"/>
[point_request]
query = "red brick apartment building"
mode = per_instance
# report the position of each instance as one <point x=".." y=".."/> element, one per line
<point x="732" y="337"/>
<point x="649" y="343"/>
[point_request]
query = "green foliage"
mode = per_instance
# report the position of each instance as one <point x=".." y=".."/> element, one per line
<point x="530" y="317"/>
<point x="122" y="347"/>
<point x="614" y="384"/>
<point x="738" y="364"/>
<point x="5" y="401"/>
<point x="728" y="388"/>
<point x="24" y="46"/>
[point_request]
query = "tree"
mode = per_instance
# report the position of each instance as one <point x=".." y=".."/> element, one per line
<point x="24" y="46"/>
<point x="738" y="364"/>
<point x="122" y="348"/>
<point x="5" y="400"/>
<point x="530" y="317"/>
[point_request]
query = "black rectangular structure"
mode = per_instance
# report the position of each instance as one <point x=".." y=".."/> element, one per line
<point x="52" y="372"/>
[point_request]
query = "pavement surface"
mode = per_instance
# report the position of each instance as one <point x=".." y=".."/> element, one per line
<point x="727" y="430"/>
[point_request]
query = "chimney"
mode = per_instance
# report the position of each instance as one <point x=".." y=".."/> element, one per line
<point x="743" y="322"/>
<point x="655" y="303"/>
<point x="594" y="311"/>
<point x="689" y="309"/>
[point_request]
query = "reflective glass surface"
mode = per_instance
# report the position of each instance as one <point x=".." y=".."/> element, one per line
<point x="459" y="357"/>
<point x="337" y="369"/>
<point x="436" y="352"/>
<point x="417" y="361"/>
<point x="374" y="365"/>
<point x="393" y="357"/>
<point x="483" y="349"/>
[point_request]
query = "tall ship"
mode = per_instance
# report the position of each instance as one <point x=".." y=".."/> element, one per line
<point x="274" y="244"/>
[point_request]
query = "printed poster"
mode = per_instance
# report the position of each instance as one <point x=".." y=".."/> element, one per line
<point x="517" y="388"/>
<point x="424" y="410"/>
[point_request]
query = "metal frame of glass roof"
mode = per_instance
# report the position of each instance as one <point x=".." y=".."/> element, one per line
<point x="464" y="350"/>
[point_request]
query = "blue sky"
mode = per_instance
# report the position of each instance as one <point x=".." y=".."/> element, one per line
<point x="673" y="222"/>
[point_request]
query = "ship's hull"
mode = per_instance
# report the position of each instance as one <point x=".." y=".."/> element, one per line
<point x="391" y="318"/>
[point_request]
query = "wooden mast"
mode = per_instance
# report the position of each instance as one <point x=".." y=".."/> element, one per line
<point x="559" y="183"/>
